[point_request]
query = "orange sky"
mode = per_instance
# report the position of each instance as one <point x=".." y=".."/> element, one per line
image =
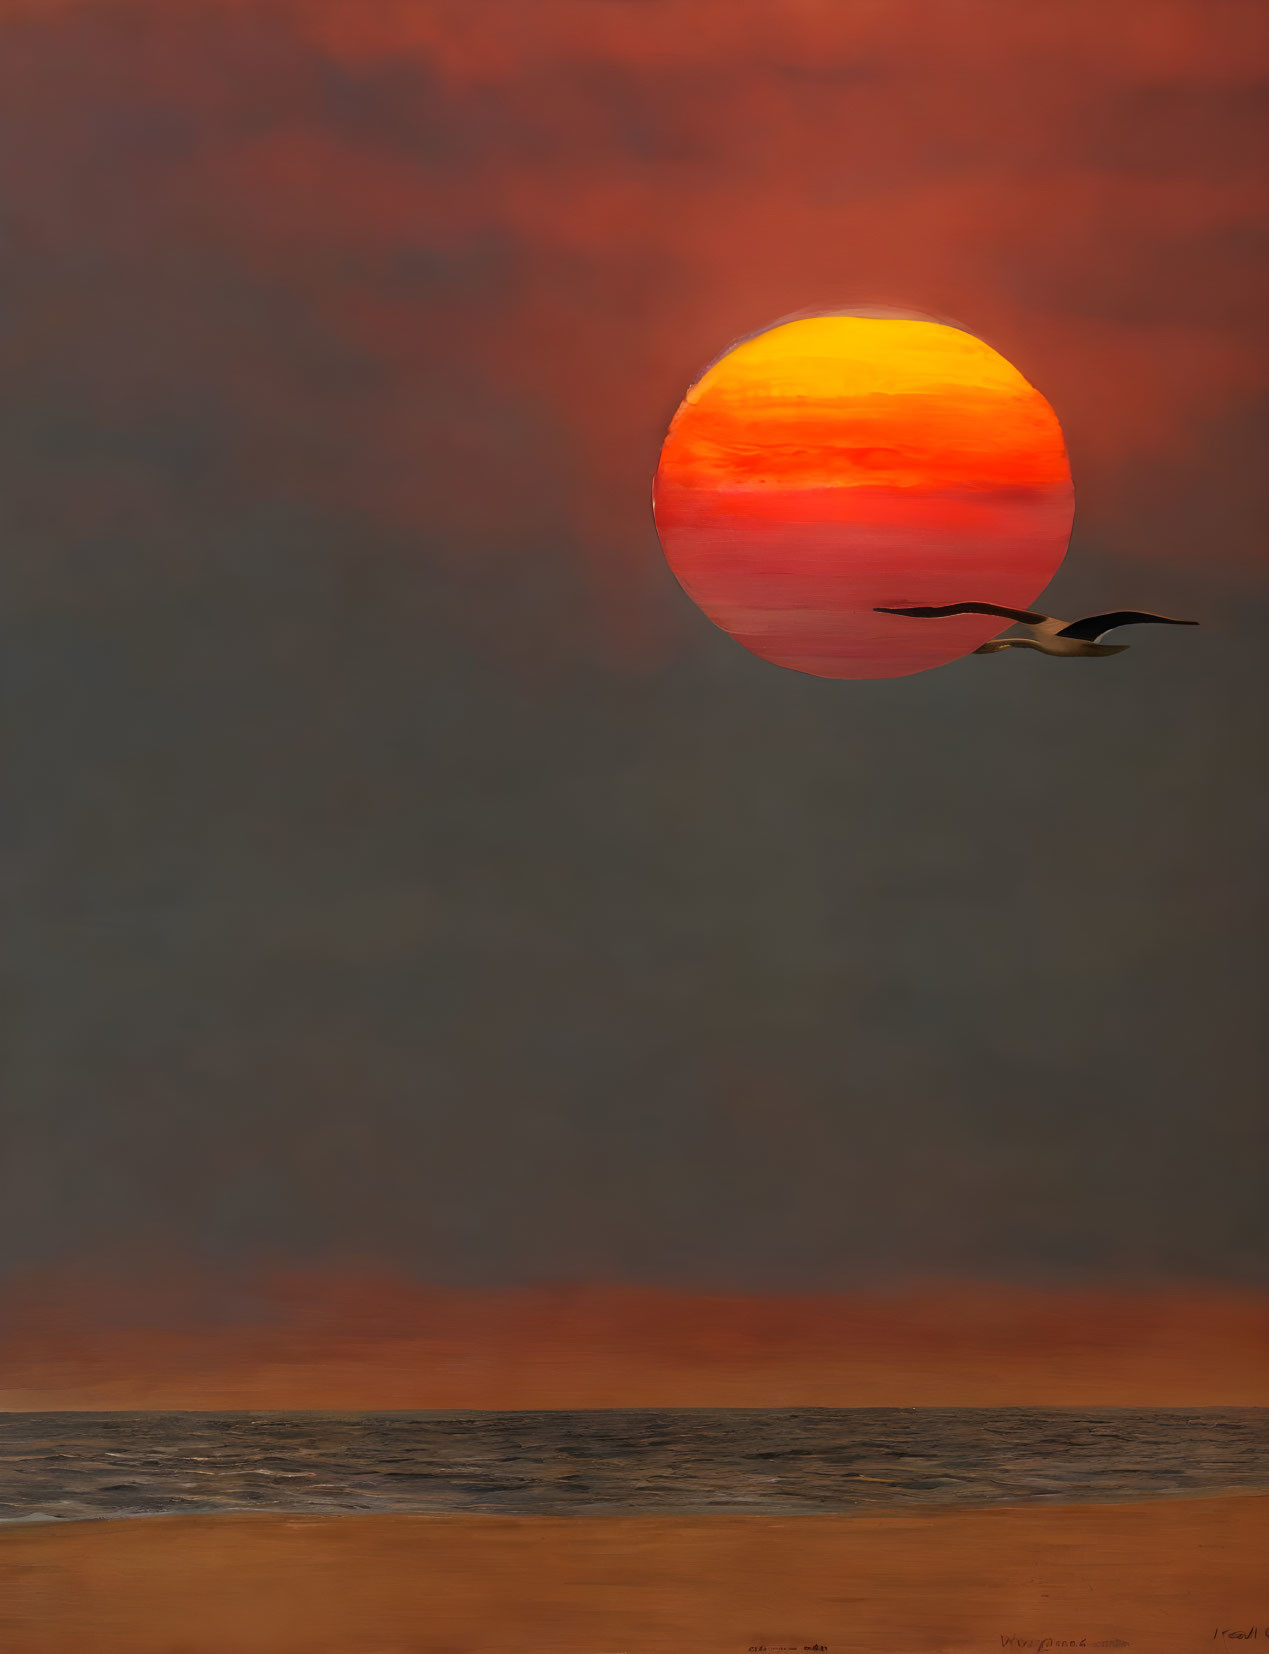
<point x="838" y="462"/>
<point x="367" y="1341"/>
<point x="434" y="276"/>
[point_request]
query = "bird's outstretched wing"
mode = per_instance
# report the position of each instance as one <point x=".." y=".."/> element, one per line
<point x="1025" y="617"/>
<point x="1092" y="627"/>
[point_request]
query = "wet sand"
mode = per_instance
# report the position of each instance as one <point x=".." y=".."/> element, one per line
<point x="1158" y="1578"/>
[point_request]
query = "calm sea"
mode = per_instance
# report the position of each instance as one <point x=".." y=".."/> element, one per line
<point x="68" y="1466"/>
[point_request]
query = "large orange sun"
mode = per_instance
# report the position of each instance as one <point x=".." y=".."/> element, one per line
<point x="837" y="463"/>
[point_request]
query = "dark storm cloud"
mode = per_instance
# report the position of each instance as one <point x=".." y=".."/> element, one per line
<point x="398" y="867"/>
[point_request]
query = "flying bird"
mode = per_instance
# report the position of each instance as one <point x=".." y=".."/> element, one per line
<point x="1050" y="636"/>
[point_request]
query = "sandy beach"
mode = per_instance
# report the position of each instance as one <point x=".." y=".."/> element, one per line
<point x="1158" y="1578"/>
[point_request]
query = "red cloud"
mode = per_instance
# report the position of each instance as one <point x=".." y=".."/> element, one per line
<point x="502" y="239"/>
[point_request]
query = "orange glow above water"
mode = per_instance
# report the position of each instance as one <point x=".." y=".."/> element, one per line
<point x="836" y="463"/>
<point x="363" y="1341"/>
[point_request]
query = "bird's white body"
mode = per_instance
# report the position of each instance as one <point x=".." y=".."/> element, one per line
<point x="1045" y="638"/>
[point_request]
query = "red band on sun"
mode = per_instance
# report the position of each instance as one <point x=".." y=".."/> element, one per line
<point x="839" y="463"/>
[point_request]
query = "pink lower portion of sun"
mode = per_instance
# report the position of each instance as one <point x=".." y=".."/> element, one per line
<point x="796" y="575"/>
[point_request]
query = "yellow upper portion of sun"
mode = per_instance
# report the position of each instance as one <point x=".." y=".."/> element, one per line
<point x="848" y="402"/>
<point x="823" y="358"/>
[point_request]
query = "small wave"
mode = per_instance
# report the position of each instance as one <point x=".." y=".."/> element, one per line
<point x="569" y="1463"/>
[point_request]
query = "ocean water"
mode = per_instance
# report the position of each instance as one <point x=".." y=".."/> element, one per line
<point x="68" y="1466"/>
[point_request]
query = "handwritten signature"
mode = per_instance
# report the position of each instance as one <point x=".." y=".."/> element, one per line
<point x="1043" y="1644"/>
